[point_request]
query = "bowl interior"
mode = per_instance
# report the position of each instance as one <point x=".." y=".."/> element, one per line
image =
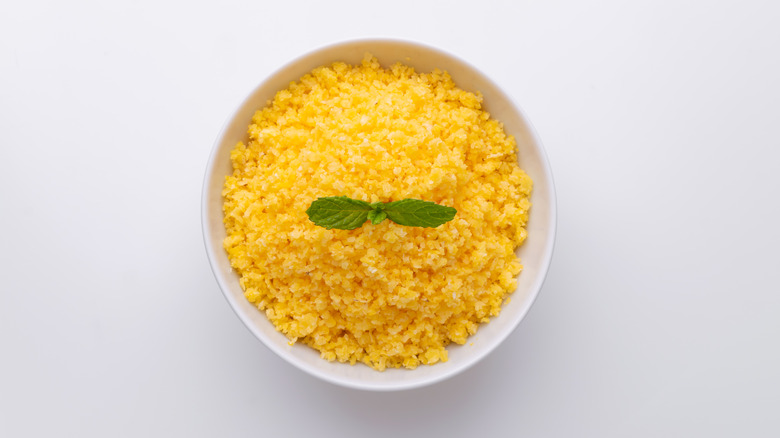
<point x="535" y="253"/>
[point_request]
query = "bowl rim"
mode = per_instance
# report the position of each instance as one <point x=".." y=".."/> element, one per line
<point x="212" y="252"/>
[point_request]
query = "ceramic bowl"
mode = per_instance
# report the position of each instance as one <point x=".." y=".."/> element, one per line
<point x="535" y="253"/>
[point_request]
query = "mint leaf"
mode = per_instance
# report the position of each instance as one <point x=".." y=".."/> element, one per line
<point x="418" y="213"/>
<point x="339" y="212"/>
<point x="376" y="216"/>
<point x="347" y="214"/>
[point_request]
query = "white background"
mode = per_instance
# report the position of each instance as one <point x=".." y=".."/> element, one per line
<point x="661" y="312"/>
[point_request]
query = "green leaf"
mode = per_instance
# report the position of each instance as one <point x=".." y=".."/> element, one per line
<point x="376" y="216"/>
<point x="339" y="212"/>
<point x="418" y="213"/>
<point x="346" y="213"/>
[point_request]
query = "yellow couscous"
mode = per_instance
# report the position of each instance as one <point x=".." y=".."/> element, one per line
<point x="385" y="295"/>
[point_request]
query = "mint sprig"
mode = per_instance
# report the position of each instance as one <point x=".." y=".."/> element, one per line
<point x="345" y="213"/>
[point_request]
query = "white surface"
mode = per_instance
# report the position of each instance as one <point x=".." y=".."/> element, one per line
<point x="536" y="251"/>
<point x="660" y="313"/>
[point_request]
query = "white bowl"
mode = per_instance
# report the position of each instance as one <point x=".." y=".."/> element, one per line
<point x="535" y="253"/>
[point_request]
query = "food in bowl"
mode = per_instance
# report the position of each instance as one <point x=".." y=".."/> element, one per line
<point x="385" y="295"/>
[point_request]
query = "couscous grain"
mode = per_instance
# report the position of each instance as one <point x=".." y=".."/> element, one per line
<point x="385" y="295"/>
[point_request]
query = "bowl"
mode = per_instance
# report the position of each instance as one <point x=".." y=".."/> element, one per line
<point x="535" y="253"/>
